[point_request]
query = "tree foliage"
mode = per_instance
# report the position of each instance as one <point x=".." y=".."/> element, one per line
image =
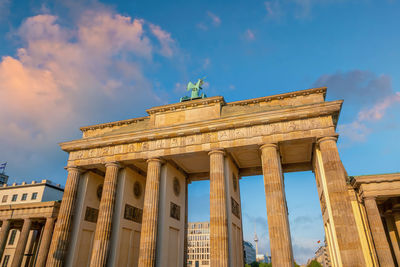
<point x="314" y="263"/>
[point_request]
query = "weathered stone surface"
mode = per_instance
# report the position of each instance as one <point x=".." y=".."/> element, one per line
<point x="393" y="235"/>
<point x="45" y="242"/>
<point x="278" y="223"/>
<point x="344" y="222"/>
<point x="298" y="123"/>
<point x="62" y="230"/>
<point x="5" y="229"/>
<point x="23" y="238"/>
<point x="102" y="235"/>
<point x="218" y="218"/>
<point x="148" y="237"/>
<point x="378" y="233"/>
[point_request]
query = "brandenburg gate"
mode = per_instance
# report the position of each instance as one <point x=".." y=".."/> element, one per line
<point x="125" y="200"/>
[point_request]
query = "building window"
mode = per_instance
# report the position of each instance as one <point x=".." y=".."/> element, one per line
<point x="12" y="237"/>
<point x="5" y="261"/>
<point x="14" y="198"/>
<point x="4" y="199"/>
<point x="34" y="195"/>
<point x="24" y="196"/>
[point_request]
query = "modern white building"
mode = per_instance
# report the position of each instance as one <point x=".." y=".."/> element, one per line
<point x="32" y="192"/>
<point x="249" y="252"/>
<point x="198" y="239"/>
<point x="27" y="215"/>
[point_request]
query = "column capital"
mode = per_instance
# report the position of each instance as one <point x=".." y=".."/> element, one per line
<point x="388" y="213"/>
<point x="273" y="145"/>
<point x="156" y="160"/>
<point x="327" y="138"/>
<point x="74" y="169"/>
<point x="113" y="163"/>
<point x="218" y="150"/>
<point x="369" y="197"/>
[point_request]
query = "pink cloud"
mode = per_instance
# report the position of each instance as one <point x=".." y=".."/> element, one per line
<point x="378" y="110"/>
<point x="62" y="78"/>
<point x="358" y="130"/>
<point x="165" y="40"/>
<point x="367" y="97"/>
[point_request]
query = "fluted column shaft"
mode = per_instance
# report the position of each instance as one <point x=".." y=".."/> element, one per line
<point x="45" y="242"/>
<point x="277" y="214"/>
<point x="20" y="249"/>
<point x="344" y="222"/>
<point x="102" y="236"/>
<point x="5" y="229"/>
<point x="378" y="232"/>
<point x="148" y="236"/>
<point x="391" y="227"/>
<point x="62" y="229"/>
<point x="218" y="217"/>
<point x="396" y="217"/>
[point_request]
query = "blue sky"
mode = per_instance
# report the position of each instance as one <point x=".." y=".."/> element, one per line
<point x="66" y="64"/>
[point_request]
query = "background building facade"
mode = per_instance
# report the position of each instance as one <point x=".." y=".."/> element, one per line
<point x="249" y="252"/>
<point x="27" y="214"/>
<point x="198" y="240"/>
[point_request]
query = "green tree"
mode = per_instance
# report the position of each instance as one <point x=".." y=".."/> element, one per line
<point x="255" y="264"/>
<point x="314" y="263"/>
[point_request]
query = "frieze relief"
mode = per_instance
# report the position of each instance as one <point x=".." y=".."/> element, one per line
<point x="203" y="138"/>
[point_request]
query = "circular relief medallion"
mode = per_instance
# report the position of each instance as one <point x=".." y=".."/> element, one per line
<point x="234" y="178"/>
<point x="137" y="189"/>
<point x="177" y="187"/>
<point x="99" y="191"/>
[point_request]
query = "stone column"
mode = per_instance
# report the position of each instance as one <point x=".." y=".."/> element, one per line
<point x="277" y="214"/>
<point x="218" y="218"/>
<point x="62" y="229"/>
<point x="378" y="232"/>
<point x="102" y="234"/>
<point x="23" y="238"/>
<point x="45" y="242"/>
<point x="185" y="240"/>
<point x="393" y="235"/>
<point x="342" y="213"/>
<point x="396" y="217"/>
<point x="148" y="236"/>
<point x="5" y="229"/>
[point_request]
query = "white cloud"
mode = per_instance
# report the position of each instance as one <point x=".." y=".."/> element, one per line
<point x="298" y="9"/>
<point x="165" y="40"/>
<point x="274" y="9"/>
<point x="4" y="9"/>
<point x="214" y="18"/>
<point x="206" y="63"/>
<point x="249" y="35"/>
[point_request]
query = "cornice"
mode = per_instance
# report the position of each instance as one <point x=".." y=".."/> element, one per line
<point x="279" y="96"/>
<point x="32" y="205"/>
<point x="357" y="181"/>
<point x="229" y="122"/>
<point x="112" y="124"/>
<point x="186" y="104"/>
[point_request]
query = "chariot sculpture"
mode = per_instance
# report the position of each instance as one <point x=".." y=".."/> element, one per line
<point x="195" y="91"/>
